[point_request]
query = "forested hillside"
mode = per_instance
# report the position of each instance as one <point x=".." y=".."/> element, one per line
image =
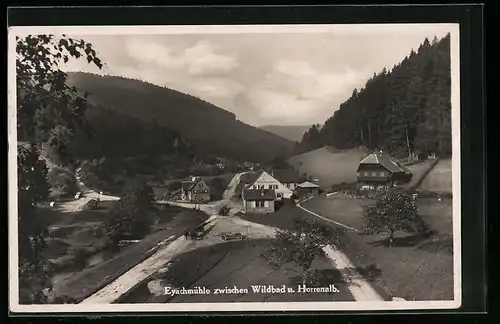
<point x="207" y="127"/>
<point x="116" y="135"/>
<point x="404" y="110"/>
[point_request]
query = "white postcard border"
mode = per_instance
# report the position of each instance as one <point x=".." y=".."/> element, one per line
<point x="223" y="307"/>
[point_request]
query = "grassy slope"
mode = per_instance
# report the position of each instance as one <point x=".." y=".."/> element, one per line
<point x="235" y="264"/>
<point x="418" y="268"/>
<point x="330" y="168"/>
<point x="214" y="126"/>
<point x="439" y="179"/>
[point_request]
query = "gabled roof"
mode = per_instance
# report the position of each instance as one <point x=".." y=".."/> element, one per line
<point x="250" y="177"/>
<point x="286" y="175"/>
<point x="256" y="194"/>
<point x="385" y="160"/>
<point x="308" y="184"/>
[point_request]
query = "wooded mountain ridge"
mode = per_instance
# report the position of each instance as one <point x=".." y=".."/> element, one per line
<point x="206" y="127"/>
<point x="404" y="111"/>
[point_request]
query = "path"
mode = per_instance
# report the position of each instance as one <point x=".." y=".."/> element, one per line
<point x="216" y="225"/>
<point x="358" y="286"/>
<point x="324" y="218"/>
<point x="87" y="195"/>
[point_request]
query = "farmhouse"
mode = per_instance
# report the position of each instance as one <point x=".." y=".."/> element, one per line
<point x="290" y="178"/>
<point x="379" y="169"/>
<point x="263" y="180"/>
<point x="307" y="189"/>
<point x="259" y="200"/>
<point x="195" y="189"/>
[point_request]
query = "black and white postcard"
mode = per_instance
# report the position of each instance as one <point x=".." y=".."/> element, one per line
<point x="234" y="168"/>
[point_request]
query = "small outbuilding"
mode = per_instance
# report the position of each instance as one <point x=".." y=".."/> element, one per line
<point x="307" y="189"/>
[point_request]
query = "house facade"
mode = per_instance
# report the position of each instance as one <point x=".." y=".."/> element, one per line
<point x="264" y="180"/>
<point x="379" y="169"/>
<point x="195" y="189"/>
<point x="259" y="200"/>
<point x="290" y="178"/>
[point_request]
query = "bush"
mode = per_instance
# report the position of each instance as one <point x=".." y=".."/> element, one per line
<point x="224" y="210"/>
<point x="62" y="181"/>
<point x="92" y="204"/>
<point x="132" y="216"/>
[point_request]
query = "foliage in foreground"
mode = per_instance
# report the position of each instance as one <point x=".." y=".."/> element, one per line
<point x="393" y="211"/>
<point x="133" y="215"/>
<point x="48" y="112"/>
<point x="300" y="245"/>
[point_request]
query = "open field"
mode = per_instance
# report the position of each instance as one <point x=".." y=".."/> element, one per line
<point x="329" y="167"/>
<point x="418" y="170"/>
<point x="101" y="265"/>
<point x="419" y="267"/>
<point x="234" y="264"/>
<point x="439" y="179"/>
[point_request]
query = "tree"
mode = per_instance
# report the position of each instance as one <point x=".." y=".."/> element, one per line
<point x="131" y="216"/>
<point x="62" y="182"/>
<point x="393" y="211"/>
<point x="32" y="190"/>
<point x="48" y="111"/>
<point x="300" y="245"/>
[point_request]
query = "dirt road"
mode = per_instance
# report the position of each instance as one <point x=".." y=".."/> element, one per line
<point x="87" y="195"/>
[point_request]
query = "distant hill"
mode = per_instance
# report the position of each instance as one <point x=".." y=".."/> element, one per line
<point x="206" y="126"/>
<point x="292" y="133"/>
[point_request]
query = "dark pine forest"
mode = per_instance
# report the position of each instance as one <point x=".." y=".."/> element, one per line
<point x="404" y="111"/>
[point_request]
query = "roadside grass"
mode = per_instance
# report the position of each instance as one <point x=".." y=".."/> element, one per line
<point x="89" y="278"/>
<point x="233" y="264"/>
<point x="439" y="179"/>
<point x="418" y="267"/>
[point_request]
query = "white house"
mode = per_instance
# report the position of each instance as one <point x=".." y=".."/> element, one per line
<point x="265" y="181"/>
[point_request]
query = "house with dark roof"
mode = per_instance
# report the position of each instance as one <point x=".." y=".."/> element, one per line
<point x="195" y="189"/>
<point x="259" y="200"/>
<point x="379" y="169"/>
<point x="307" y="189"/>
<point x="290" y="178"/>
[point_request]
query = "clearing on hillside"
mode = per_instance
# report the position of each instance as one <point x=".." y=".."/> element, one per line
<point x="329" y="166"/>
<point x="439" y="178"/>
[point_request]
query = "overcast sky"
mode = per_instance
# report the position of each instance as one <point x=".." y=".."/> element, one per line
<point x="265" y="79"/>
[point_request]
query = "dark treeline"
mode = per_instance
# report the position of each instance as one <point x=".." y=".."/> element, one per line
<point x="117" y="135"/>
<point x="404" y="111"/>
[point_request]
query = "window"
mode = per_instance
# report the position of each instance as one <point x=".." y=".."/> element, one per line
<point x="260" y="203"/>
<point x="382" y="173"/>
<point x="374" y="174"/>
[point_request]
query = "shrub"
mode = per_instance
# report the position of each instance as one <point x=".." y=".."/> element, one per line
<point x="224" y="210"/>
<point x="62" y="181"/>
<point x="92" y="204"/>
<point x="133" y="215"/>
